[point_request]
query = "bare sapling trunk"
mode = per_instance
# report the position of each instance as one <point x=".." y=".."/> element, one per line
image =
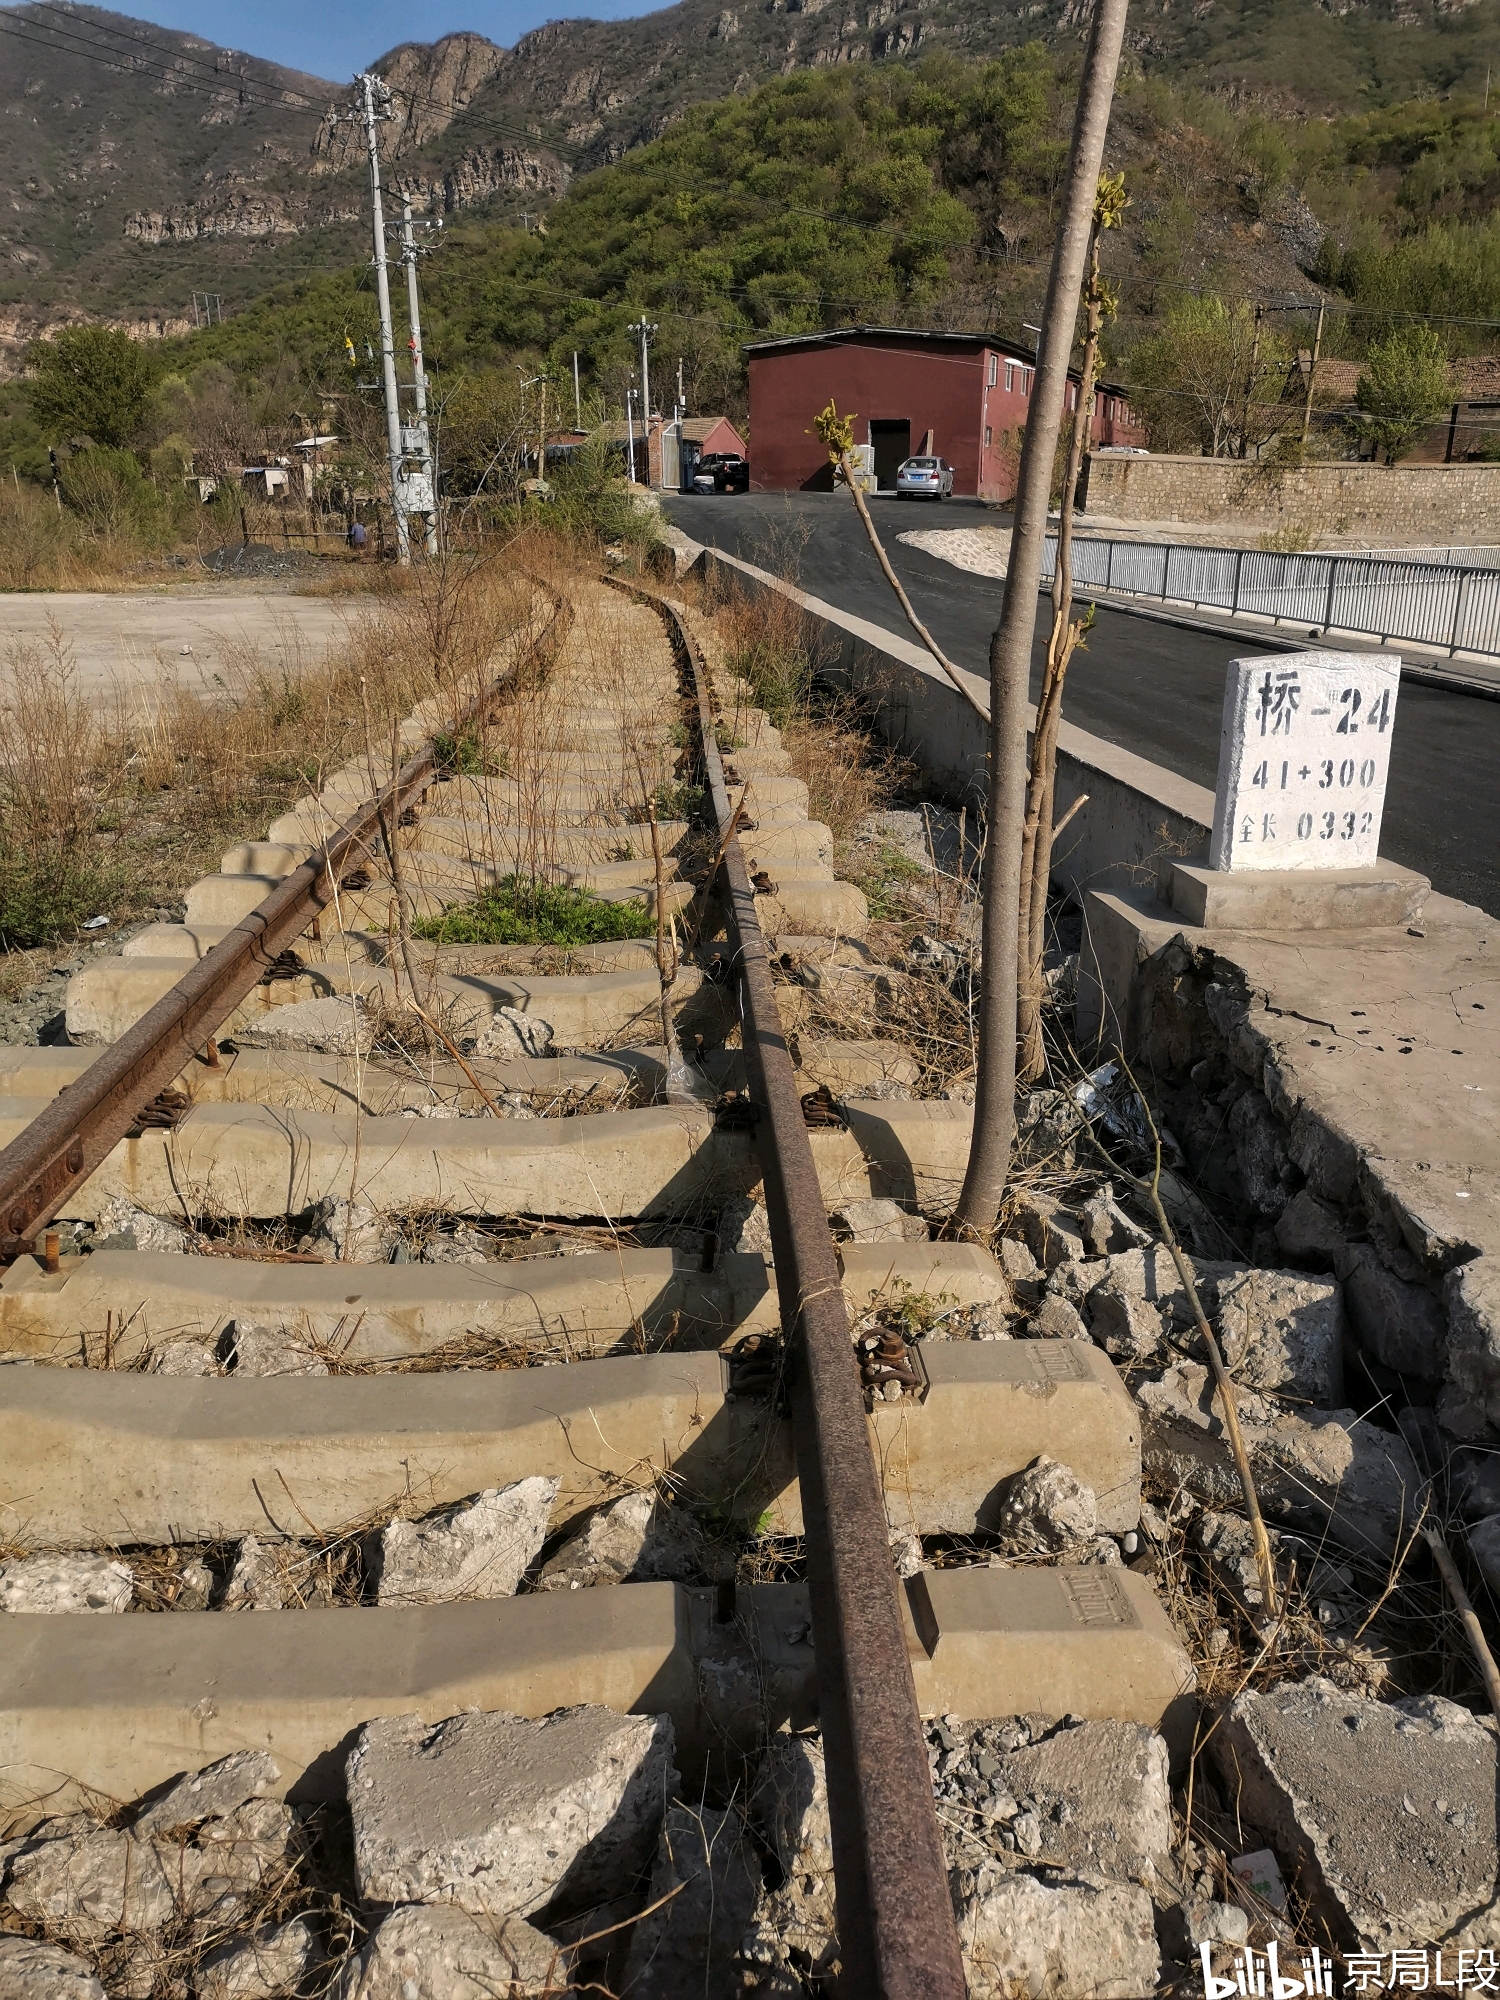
<point x="837" y="434"/>
<point x="1010" y="648"/>
<point x="1066" y="635"/>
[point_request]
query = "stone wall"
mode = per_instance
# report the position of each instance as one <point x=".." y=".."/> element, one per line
<point x="1424" y="504"/>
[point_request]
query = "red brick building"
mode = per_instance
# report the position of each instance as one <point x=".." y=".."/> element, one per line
<point x="970" y="390"/>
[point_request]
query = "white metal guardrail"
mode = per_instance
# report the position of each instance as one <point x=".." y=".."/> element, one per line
<point x="1481" y="555"/>
<point x="1384" y="597"/>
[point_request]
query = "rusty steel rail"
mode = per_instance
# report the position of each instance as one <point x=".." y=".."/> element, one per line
<point x="897" y="1936"/>
<point x="85" y="1121"/>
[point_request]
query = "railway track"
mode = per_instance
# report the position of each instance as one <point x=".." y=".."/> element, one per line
<point x="365" y="1150"/>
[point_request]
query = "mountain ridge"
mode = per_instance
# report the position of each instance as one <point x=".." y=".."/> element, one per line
<point x="146" y="164"/>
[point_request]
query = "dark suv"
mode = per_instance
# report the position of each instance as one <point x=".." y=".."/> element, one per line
<point x="721" y="472"/>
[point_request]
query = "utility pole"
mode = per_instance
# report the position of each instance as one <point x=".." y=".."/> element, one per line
<point x="541" y="450"/>
<point x="629" y="438"/>
<point x="577" y="397"/>
<point x="681" y="401"/>
<point x="645" y="328"/>
<point x="421" y="441"/>
<point x="369" y="85"/>
<point x="1250" y="383"/>
<point x="1312" y="369"/>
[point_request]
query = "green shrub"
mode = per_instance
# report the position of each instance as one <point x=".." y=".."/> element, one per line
<point x="518" y="911"/>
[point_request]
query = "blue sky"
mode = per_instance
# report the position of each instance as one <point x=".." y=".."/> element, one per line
<point x="337" y="39"/>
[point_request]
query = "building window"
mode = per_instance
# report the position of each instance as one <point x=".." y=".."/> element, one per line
<point x="1026" y="375"/>
<point x="994" y="368"/>
<point x="989" y="436"/>
<point x="1010" y="378"/>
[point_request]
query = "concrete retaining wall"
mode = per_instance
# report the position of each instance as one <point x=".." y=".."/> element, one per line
<point x="1400" y="503"/>
<point x="1139" y="818"/>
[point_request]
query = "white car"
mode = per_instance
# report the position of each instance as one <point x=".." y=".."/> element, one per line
<point x="931" y="478"/>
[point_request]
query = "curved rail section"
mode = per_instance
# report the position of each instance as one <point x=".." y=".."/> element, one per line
<point x="60" y="1149"/>
<point x="896" y="1930"/>
<point x="898" y="1939"/>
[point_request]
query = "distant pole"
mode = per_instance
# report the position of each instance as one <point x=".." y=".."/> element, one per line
<point x="418" y="369"/>
<point x="645" y="328"/>
<point x="541" y="450"/>
<point x="629" y="436"/>
<point x="577" y="397"/>
<point x="1312" y="369"/>
<point x="369" y="85"/>
<point x="681" y="399"/>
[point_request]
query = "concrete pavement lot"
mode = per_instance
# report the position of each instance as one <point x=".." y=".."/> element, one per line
<point x="1151" y="687"/>
<point x="122" y="640"/>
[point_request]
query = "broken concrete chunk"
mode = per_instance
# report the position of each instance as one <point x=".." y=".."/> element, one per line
<point x="258" y="1580"/>
<point x="95" y="1884"/>
<point x="349" y="1232"/>
<point x="705" y="1884"/>
<point x="1056" y="1319"/>
<point x="1401" y="1324"/>
<point x="634" y="1540"/>
<point x="1107" y="1229"/>
<point x="65" y="1584"/>
<point x="253" y="1347"/>
<point x="790" y="1804"/>
<point x="793" y="1926"/>
<point x="871" y="1219"/>
<point x="1016" y="1260"/>
<point x="31" y="1970"/>
<point x="1097" y="1792"/>
<point x="1283" y="1331"/>
<point x="1125" y="1324"/>
<point x="1328" y="1468"/>
<point x="481" y="1549"/>
<point x="1309" y="1232"/>
<point x="441" y="1953"/>
<point x="1048" y="1509"/>
<point x="1484" y="1543"/>
<point x="1083" y="1940"/>
<point x="270" y="1962"/>
<point x="185" y="1357"/>
<point x="744" y="1226"/>
<point x="339" y="1024"/>
<point x="511" y="1034"/>
<point x="1053" y="1233"/>
<point x="1316" y="1770"/>
<point x="500" y="1814"/>
<point x="210" y="1793"/>
<point x="1188" y="1925"/>
<point x="195" y="1587"/>
<point x="120" y="1225"/>
<point x="1472" y="1296"/>
<point x="1265" y="1170"/>
<point x="1460" y="1416"/>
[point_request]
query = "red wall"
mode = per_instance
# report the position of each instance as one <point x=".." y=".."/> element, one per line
<point x="943" y="388"/>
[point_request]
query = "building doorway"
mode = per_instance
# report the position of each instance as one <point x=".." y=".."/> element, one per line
<point x="891" y="438"/>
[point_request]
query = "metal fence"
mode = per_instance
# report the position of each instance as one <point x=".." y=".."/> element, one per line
<point x="1384" y="597"/>
<point x="1482" y="555"/>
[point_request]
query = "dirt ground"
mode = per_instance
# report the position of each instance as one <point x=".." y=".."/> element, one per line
<point x="119" y="640"/>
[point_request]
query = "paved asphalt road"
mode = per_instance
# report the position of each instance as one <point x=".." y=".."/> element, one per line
<point x="1154" y="688"/>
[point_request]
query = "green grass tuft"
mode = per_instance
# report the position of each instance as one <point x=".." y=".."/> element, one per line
<point x="522" y="912"/>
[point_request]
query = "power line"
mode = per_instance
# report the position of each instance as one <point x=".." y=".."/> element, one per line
<point x="133" y="42"/>
<point x="48" y="37"/>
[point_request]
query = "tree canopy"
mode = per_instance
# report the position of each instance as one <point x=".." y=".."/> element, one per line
<point x="1406" y="385"/>
<point x="91" y="379"/>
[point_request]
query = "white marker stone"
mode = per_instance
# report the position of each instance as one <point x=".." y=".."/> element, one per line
<point x="1304" y="752"/>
